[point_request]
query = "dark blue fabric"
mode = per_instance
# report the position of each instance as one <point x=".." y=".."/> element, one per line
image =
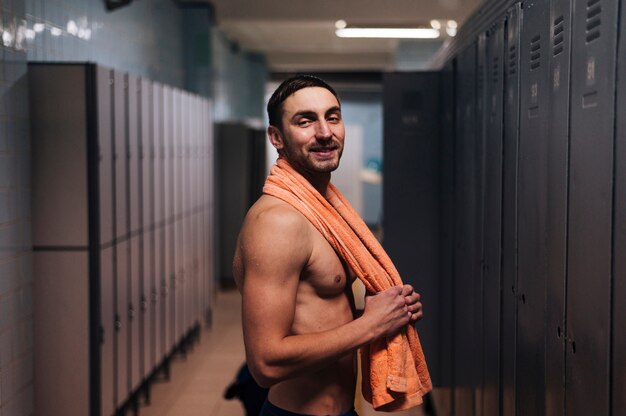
<point x="269" y="409"/>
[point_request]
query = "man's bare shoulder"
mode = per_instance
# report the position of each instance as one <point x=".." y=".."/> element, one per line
<point x="269" y="211"/>
<point x="275" y="231"/>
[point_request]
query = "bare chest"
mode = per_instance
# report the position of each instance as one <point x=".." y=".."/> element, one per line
<point x="326" y="274"/>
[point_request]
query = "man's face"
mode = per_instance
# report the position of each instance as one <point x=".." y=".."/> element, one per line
<point x="312" y="133"/>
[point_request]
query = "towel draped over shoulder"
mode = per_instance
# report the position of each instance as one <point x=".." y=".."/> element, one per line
<point x="395" y="375"/>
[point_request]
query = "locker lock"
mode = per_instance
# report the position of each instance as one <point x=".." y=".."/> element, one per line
<point x="117" y="324"/>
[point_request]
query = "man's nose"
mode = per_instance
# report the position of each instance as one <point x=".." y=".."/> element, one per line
<point x="323" y="130"/>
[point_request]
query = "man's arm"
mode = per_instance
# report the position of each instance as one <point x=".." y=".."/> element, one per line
<point x="276" y="246"/>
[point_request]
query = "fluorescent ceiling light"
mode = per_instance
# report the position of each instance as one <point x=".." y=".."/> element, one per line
<point x="381" y="32"/>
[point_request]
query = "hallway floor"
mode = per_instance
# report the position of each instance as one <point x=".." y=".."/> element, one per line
<point x="198" y="381"/>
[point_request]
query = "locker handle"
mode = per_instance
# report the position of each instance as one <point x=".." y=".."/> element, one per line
<point x="118" y="324"/>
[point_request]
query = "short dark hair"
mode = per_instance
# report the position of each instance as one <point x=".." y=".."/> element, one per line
<point x="288" y="87"/>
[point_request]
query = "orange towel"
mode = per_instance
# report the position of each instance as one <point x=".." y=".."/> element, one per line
<point x="395" y="375"/>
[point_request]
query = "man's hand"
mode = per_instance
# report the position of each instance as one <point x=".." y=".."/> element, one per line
<point x="387" y="311"/>
<point x="412" y="300"/>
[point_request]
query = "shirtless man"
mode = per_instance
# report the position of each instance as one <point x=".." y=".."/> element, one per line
<point x="301" y="332"/>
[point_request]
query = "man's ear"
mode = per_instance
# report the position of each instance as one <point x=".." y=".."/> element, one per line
<point x="276" y="137"/>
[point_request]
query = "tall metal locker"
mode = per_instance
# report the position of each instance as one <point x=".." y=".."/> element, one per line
<point x="492" y="227"/>
<point x="411" y="191"/>
<point x="121" y="248"/>
<point x="465" y="232"/>
<point x="168" y="226"/>
<point x="619" y="228"/>
<point x="106" y="209"/>
<point x="532" y="200"/>
<point x="148" y="266"/>
<point x="72" y="238"/>
<point x="509" y="207"/>
<point x="207" y="186"/>
<point x="177" y="214"/>
<point x="588" y="303"/>
<point x="159" y="221"/>
<point x="479" y="186"/>
<point x="133" y="122"/>
<point x="556" y="227"/>
<point x="447" y="238"/>
<point x="234" y="172"/>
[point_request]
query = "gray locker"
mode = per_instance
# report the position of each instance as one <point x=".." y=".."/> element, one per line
<point x="146" y="209"/>
<point x="411" y="103"/>
<point x="479" y="198"/>
<point x="509" y="207"/>
<point x="588" y="303"/>
<point x="104" y="96"/>
<point x="121" y="252"/>
<point x="465" y="232"/>
<point x="207" y="186"/>
<point x="492" y="226"/>
<point x="556" y="227"/>
<point x="169" y="107"/>
<point x="447" y="237"/>
<point x="159" y="222"/>
<point x="532" y="202"/>
<point x="134" y="329"/>
<point x="619" y="229"/>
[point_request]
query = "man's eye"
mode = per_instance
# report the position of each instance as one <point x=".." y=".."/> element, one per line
<point x="303" y="123"/>
<point x="334" y="119"/>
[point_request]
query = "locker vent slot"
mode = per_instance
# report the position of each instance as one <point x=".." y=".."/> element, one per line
<point x="512" y="60"/>
<point x="494" y="71"/>
<point x="535" y="53"/>
<point x="594" y="20"/>
<point x="558" y="36"/>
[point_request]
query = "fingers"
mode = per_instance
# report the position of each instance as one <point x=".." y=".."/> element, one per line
<point x="407" y="290"/>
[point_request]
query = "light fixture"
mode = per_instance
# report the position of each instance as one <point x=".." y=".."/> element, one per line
<point x="435" y="24"/>
<point x="387" y="32"/>
<point x="39" y="27"/>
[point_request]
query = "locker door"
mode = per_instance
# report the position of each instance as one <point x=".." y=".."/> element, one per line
<point x="210" y="196"/>
<point x="104" y="87"/>
<point x="532" y="194"/>
<point x="619" y="228"/>
<point x="177" y="249"/>
<point x="478" y="256"/>
<point x="465" y="214"/>
<point x="492" y="224"/>
<point x="590" y="206"/>
<point x="169" y="196"/>
<point x="411" y="147"/>
<point x="135" y="324"/>
<point x="158" y="298"/>
<point x="509" y="207"/>
<point x="193" y="203"/>
<point x="121" y="247"/>
<point x="147" y="220"/>
<point x="182" y="222"/>
<point x="558" y="147"/>
<point x="447" y="240"/>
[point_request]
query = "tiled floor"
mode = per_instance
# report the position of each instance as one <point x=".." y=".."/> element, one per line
<point x="198" y="381"/>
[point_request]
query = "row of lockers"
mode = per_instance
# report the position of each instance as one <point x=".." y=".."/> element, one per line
<point x="533" y="215"/>
<point x="122" y="231"/>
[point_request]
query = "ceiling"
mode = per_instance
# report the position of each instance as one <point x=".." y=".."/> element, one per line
<point x="296" y="35"/>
